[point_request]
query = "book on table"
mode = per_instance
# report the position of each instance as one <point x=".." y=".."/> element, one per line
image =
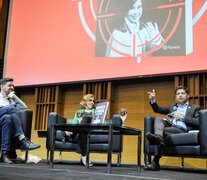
<point x="100" y="112"/>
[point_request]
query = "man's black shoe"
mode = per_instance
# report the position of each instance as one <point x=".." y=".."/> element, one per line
<point x="26" y="145"/>
<point x="5" y="157"/>
<point x="152" y="166"/>
<point x="155" y="139"/>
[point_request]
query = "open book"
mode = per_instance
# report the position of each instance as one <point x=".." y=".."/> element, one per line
<point x="100" y="112"/>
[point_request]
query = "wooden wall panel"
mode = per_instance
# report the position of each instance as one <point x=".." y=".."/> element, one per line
<point x="71" y="99"/>
<point x="47" y="99"/>
<point x="197" y="86"/>
<point x="28" y="96"/>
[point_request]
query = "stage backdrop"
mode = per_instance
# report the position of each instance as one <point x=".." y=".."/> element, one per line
<point x="61" y="41"/>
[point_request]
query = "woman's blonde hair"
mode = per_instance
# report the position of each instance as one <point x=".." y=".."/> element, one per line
<point x="85" y="99"/>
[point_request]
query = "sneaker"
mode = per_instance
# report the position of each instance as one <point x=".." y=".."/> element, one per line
<point x="153" y="166"/>
<point x="5" y="157"/>
<point x="83" y="161"/>
<point x="155" y="139"/>
<point x="26" y="145"/>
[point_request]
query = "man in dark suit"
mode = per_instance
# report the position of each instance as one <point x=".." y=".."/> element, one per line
<point x="181" y="117"/>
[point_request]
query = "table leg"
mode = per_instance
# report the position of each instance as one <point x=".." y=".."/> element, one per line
<point x="139" y="149"/>
<point x="110" y="141"/>
<point x="52" y="146"/>
<point x="88" y="150"/>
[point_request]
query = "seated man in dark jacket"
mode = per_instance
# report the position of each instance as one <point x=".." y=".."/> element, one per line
<point x="181" y="116"/>
<point x="9" y="120"/>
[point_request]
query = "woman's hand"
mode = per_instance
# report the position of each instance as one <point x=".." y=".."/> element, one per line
<point x="80" y="119"/>
<point x="153" y="33"/>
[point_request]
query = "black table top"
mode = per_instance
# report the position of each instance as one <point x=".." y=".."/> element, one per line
<point x="98" y="128"/>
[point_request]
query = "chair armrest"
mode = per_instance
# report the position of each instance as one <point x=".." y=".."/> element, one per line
<point x="53" y="118"/>
<point x="116" y="120"/>
<point x="148" y="127"/>
<point x="203" y="131"/>
<point x="117" y="139"/>
<point x="149" y="124"/>
<point x="26" y="121"/>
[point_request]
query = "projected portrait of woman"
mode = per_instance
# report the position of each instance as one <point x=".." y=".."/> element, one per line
<point x="132" y="36"/>
<point x="129" y="35"/>
<point x="138" y="28"/>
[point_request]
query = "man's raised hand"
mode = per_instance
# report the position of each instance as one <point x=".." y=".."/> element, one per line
<point x="151" y="94"/>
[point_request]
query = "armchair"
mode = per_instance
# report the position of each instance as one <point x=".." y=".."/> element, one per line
<point x="191" y="144"/>
<point x="26" y="121"/>
<point x="98" y="143"/>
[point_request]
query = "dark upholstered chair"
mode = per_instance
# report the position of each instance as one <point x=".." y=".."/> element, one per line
<point x="192" y="144"/>
<point x="26" y="121"/>
<point x="98" y="143"/>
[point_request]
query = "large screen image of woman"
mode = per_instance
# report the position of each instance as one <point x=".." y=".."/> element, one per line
<point x="65" y="41"/>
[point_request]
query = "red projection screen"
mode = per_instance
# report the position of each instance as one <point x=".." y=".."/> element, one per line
<point x="65" y="41"/>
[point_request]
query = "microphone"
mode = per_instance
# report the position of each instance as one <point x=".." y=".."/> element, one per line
<point x="170" y="117"/>
<point x="175" y="108"/>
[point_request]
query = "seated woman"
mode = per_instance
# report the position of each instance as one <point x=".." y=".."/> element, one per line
<point x="83" y="115"/>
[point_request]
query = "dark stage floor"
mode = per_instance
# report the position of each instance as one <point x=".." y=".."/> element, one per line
<point x="21" y="171"/>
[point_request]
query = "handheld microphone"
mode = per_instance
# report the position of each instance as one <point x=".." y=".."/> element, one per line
<point x="170" y="117"/>
<point x="175" y="108"/>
